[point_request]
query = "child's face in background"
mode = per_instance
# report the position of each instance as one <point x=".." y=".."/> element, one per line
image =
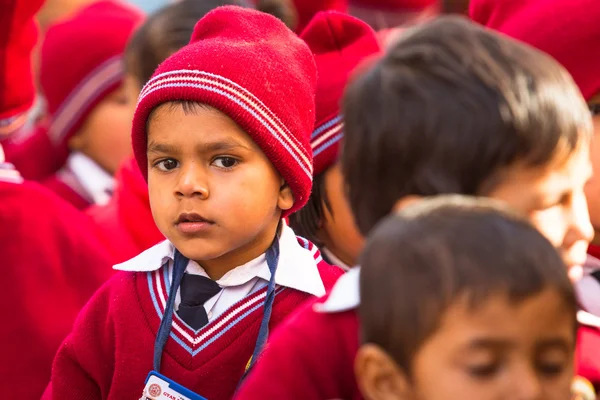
<point x="105" y="136"/>
<point x="500" y="350"/>
<point x="553" y="197"/>
<point x="592" y="189"/>
<point x="214" y="194"/>
<point x="339" y="232"/>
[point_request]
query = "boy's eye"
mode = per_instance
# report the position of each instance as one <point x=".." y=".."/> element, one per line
<point x="483" y="371"/>
<point x="167" y="165"/>
<point x="550" y="369"/>
<point x="594" y="108"/>
<point x="225" y="162"/>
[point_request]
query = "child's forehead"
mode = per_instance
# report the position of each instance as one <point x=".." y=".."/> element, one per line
<point x="498" y="319"/>
<point x="195" y="124"/>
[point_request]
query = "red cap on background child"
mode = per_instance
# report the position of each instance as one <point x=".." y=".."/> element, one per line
<point x="307" y="9"/>
<point x="81" y="63"/>
<point x="567" y="30"/>
<point x="339" y="43"/>
<point x="253" y="91"/>
<point x="394" y="5"/>
<point x="18" y="35"/>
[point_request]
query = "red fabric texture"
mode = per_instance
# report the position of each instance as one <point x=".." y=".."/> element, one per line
<point x="339" y="43"/>
<point x="90" y="39"/>
<point x="125" y="224"/>
<point x="586" y="356"/>
<point x="66" y="192"/>
<point x="251" y="67"/>
<point x="307" y="9"/>
<point x="567" y="30"/>
<point x="110" y="351"/>
<point x="52" y="266"/>
<point x="34" y="157"/>
<point x="594" y="251"/>
<point x="312" y="357"/>
<point x="394" y="5"/>
<point x="18" y="36"/>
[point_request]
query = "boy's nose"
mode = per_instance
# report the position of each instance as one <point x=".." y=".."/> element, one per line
<point x="527" y="385"/>
<point x="581" y="228"/>
<point x="192" y="182"/>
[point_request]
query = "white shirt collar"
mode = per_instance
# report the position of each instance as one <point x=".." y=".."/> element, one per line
<point x="95" y="181"/>
<point x="345" y="294"/>
<point x="297" y="268"/>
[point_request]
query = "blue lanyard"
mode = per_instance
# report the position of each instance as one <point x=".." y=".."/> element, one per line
<point x="180" y="265"/>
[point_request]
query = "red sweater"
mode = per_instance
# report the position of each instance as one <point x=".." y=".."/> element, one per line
<point x="110" y="351"/>
<point x="69" y="191"/>
<point x="312" y="357"/>
<point x="125" y="223"/>
<point x="51" y="266"/>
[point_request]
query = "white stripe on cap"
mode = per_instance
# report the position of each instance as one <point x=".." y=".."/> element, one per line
<point x="239" y="95"/>
<point x="327" y="134"/>
<point x="94" y="84"/>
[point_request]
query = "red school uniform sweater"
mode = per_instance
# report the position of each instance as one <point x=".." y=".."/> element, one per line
<point x="68" y="188"/>
<point x="110" y="350"/>
<point x="125" y="224"/>
<point x="51" y="265"/>
<point x="311" y="354"/>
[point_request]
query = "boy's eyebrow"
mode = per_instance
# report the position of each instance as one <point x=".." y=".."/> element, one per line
<point x="486" y="343"/>
<point x="160" y="148"/>
<point x="555" y="342"/>
<point x="221" y="145"/>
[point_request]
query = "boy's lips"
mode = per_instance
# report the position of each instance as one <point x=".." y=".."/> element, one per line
<point x="192" y="223"/>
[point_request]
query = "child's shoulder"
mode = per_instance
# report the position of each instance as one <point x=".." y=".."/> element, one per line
<point x="329" y="273"/>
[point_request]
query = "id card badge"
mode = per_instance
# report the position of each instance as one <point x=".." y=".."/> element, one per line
<point x="159" y="387"/>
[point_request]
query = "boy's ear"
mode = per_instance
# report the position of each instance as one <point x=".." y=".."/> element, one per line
<point x="286" y="197"/>
<point x="405" y="202"/>
<point x="378" y="376"/>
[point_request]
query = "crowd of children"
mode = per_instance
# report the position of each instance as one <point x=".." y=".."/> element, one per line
<point x="298" y="199"/>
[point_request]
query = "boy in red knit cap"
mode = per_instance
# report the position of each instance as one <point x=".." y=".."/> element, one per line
<point x="90" y="116"/>
<point x="52" y="262"/>
<point x="226" y="161"/>
<point x="441" y="319"/>
<point x="567" y="31"/>
<point x="452" y="108"/>
<point x="126" y="223"/>
<point x="339" y="42"/>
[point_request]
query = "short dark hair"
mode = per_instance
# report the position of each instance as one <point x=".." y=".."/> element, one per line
<point x="446" y="109"/>
<point x="418" y="263"/>
<point x="307" y="221"/>
<point x="170" y="28"/>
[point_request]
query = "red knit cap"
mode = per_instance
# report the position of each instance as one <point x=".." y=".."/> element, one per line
<point x="339" y="43"/>
<point x="81" y="62"/>
<point x="567" y="30"/>
<point x="394" y="5"/>
<point x="251" y="67"/>
<point x="307" y="9"/>
<point x="18" y="35"/>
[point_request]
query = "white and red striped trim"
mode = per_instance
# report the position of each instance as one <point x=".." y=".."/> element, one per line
<point x="186" y="334"/>
<point x="79" y="100"/>
<point x="326" y="135"/>
<point x="9" y="174"/>
<point x="238" y="94"/>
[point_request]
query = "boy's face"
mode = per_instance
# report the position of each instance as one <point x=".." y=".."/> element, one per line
<point x="500" y="350"/>
<point x="213" y="192"/>
<point x="553" y="197"/>
<point x="105" y="136"/>
<point x="340" y="234"/>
